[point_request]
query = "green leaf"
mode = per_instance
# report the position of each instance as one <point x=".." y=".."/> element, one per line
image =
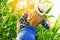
<point x="49" y="9"/>
<point x="48" y="1"/>
<point x="51" y="16"/>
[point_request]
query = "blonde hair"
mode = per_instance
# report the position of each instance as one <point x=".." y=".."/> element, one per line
<point x="33" y="17"/>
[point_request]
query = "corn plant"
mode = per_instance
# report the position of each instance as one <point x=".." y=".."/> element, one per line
<point x="45" y="34"/>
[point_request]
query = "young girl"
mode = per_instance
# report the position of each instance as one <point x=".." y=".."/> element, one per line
<point x="32" y="19"/>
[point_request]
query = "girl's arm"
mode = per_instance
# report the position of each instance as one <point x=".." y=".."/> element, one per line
<point x="18" y="27"/>
<point x="22" y="18"/>
<point x="46" y="22"/>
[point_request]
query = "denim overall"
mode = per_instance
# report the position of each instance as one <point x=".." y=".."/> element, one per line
<point x="29" y="32"/>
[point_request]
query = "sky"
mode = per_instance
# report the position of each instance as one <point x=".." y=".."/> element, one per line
<point x="55" y="10"/>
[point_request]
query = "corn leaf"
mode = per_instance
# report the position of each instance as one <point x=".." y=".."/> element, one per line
<point x="49" y="9"/>
<point x="51" y="16"/>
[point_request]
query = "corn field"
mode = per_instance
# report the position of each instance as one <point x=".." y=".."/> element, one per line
<point x="9" y="14"/>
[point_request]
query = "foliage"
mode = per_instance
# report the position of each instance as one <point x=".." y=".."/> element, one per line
<point x="7" y="22"/>
<point x="51" y="34"/>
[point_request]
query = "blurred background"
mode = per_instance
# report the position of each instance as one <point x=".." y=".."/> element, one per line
<point x="11" y="11"/>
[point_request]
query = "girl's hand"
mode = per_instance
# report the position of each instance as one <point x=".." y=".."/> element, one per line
<point x="46" y="15"/>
